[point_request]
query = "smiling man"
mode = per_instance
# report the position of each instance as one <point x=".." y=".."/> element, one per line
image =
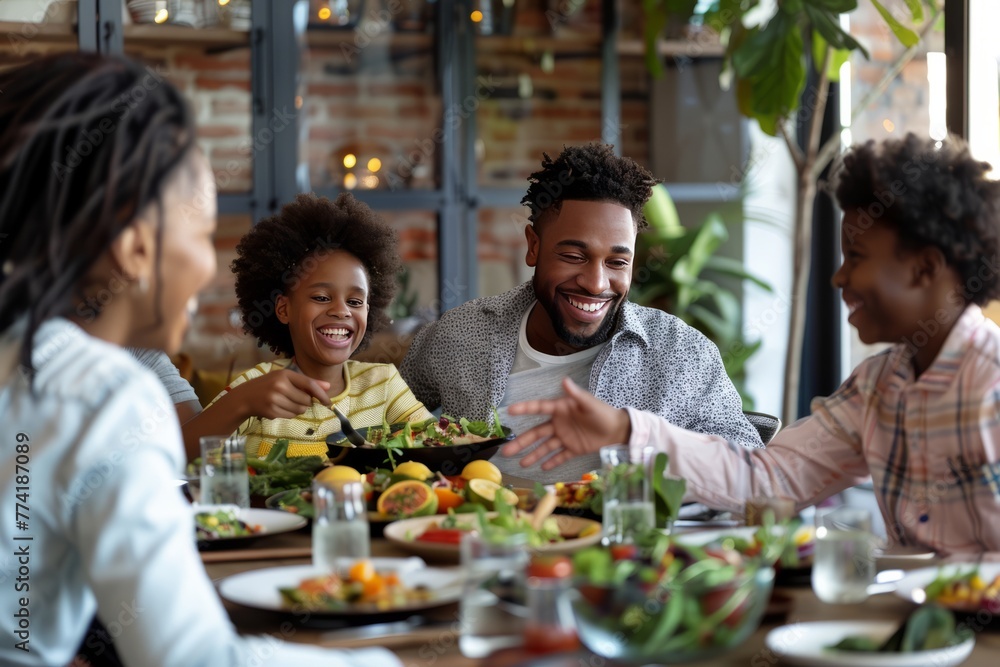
<point x="574" y="320"/>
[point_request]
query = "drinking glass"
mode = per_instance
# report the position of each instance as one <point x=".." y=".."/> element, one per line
<point x="628" y="499"/>
<point x="224" y="478"/>
<point x="844" y="561"/>
<point x="492" y="610"/>
<point x="340" y="528"/>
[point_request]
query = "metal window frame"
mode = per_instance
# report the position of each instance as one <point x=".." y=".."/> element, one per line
<point x="276" y="42"/>
<point x="956" y="49"/>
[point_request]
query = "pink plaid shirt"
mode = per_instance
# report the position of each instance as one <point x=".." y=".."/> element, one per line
<point x="930" y="444"/>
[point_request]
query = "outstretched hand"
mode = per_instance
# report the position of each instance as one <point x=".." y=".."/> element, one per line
<point x="579" y="423"/>
<point x="282" y="394"/>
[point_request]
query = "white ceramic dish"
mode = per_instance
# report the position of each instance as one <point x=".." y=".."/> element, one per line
<point x="404" y="532"/>
<point x="271" y="522"/>
<point x="258" y="589"/>
<point x="806" y="644"/>
<point x="911" y="586"/>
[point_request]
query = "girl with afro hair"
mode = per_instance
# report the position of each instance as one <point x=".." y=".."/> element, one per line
<point x="312" y="283"/>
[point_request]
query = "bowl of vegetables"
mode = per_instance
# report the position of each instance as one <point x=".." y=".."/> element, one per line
<point x="667" y="602"/>
<point x="444" y="444"/>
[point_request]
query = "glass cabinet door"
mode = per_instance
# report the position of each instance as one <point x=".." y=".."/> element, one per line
<point x="203" y="47"/>
<point x="370" y="97"/>
<point x="537" y="85"/>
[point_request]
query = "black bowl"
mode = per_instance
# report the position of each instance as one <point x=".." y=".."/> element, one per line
<point x="448" y="460"/>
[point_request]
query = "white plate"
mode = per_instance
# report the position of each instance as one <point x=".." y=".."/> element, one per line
<point x="700" y="538"/>
<point x="805" y="644"/>
<point x="911" y="586"/>
<point x="271" y="522"/>
<point x="259" y="588"/>
<point x="404" y="532"/>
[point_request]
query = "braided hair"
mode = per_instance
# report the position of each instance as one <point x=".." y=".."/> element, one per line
<point x="87" y="143"/>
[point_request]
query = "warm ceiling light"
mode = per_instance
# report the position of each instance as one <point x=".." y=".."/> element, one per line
<point x="350" y="160"/>
<point x="476" y="16"/>
<point x="374" y="164"/>
<point x="161" y="16"/>
<point x="370" y="182"/>
<point x="223" y="3"/>
<point x="888" y="125"/>
<point x="350" y="181"/>
<point x="325" y="13"/>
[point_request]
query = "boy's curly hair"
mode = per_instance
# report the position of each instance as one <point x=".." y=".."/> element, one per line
<point x="270" y="261"/>
<point x="933" y="195"/>
<point x="589" y="173"/>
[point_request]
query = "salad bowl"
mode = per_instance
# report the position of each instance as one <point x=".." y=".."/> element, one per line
<point x="449" y="459"/>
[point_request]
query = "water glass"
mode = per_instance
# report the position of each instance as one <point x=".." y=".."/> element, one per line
<point x="493" y="609"/>
<point x="224" y="478"/>
<point x="844" y="561"/>
<point x="628" y="498"/>
<point x="340" y="528"/>
<point x="551" y="625"/>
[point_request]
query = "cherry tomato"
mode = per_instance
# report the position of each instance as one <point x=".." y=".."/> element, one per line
<point x="457" y="482"/>
<point x="550" y="567"/>
<point x="714" y="600"/>
<point x="623" y="551"/>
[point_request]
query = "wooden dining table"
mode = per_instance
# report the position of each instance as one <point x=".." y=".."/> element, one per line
<point x="433" y="640"/>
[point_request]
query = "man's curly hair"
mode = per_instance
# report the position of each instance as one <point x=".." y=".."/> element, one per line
<point x="933" y="195"/>
<point x="589" y="173"/>
<point x="273" y="256"/>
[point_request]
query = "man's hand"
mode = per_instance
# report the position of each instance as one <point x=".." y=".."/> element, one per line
<point x="282" y="394"/>
<point x="579" y="423"/>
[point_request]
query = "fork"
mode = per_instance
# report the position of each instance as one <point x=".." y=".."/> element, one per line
<point x="353" y="437"/>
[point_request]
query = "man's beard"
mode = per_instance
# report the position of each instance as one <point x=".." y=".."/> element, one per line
<point x="574" y="340"/>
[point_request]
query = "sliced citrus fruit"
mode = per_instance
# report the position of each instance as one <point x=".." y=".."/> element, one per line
<point x="482" y="470"/>
<point x="485" y="492"/>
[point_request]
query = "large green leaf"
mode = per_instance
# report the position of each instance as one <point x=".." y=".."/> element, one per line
<point x="827" y="24"/>
<point x="731" y="267"/>
<point x="755" y="53"/>
<point x="838" y="6"/>
<point x="661" y="212"/>
<point x="708" y="237"/>
<point x="916" y="10"/>
<point x="654" y="22"/>
<point x="907" y="37"/>
<point x="775" y="91"/>
<point x="837" y="57"/>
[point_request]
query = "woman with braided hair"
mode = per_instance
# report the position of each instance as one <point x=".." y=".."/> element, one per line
<point x="107" y="211"/>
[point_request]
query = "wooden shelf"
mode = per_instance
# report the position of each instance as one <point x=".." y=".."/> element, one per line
<point x="45" y="33"/>
<point x="529" y="45"/>
<point x="680" y="48"/>
<point x="398" y="40"/>
<point x="151" y="34"/>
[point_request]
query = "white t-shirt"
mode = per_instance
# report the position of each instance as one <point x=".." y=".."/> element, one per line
<point x="536" y="375"/>
<point x="106" y="528"/>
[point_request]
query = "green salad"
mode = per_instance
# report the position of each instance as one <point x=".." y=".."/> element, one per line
<point x="221" y="524"/>
<point x="442" y="432"/>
